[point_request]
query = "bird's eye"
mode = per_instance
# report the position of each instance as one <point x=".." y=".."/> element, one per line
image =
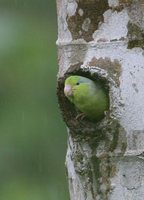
<point x="77" y="83"/>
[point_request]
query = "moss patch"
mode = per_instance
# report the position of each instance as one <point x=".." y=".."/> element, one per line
<point x="135" y="36"/>
<point x="122" y="4"/>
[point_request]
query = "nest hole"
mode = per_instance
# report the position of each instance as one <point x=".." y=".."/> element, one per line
<point x="79" y="126"/>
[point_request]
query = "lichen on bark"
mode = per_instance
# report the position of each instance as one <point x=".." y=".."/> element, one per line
<point x="86" y="20"/>
<point x="125" y="2"/>
<point x="96" y="168"/>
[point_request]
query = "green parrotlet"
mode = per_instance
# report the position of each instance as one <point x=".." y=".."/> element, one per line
<point x="88" y="96"/>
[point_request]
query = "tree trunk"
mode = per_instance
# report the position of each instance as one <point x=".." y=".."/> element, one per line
<point x="104" y="40"/>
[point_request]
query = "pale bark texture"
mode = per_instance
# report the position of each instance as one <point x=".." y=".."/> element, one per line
<point x="104" y="40"/>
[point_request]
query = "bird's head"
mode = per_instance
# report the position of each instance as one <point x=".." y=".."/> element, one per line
<point x="70" y="83"/>
<point x="74" y="83"/>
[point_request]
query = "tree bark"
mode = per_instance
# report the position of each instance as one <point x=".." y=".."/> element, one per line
<point x="104" y="40"/>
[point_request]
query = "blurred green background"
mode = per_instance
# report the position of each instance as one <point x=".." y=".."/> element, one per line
<point x="32" y="134"/>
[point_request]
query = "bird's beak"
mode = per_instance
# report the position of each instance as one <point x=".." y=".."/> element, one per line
<point x="68" y="90"/>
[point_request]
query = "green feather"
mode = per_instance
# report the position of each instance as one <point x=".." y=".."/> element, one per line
<point x="88" y="96"/>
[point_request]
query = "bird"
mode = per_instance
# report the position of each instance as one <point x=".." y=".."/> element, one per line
<point x="87" y="95"/>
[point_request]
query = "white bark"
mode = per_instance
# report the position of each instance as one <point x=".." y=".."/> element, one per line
<point x="110" y="168"/>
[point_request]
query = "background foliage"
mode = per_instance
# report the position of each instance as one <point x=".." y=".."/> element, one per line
<point x="32" y="134"/>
